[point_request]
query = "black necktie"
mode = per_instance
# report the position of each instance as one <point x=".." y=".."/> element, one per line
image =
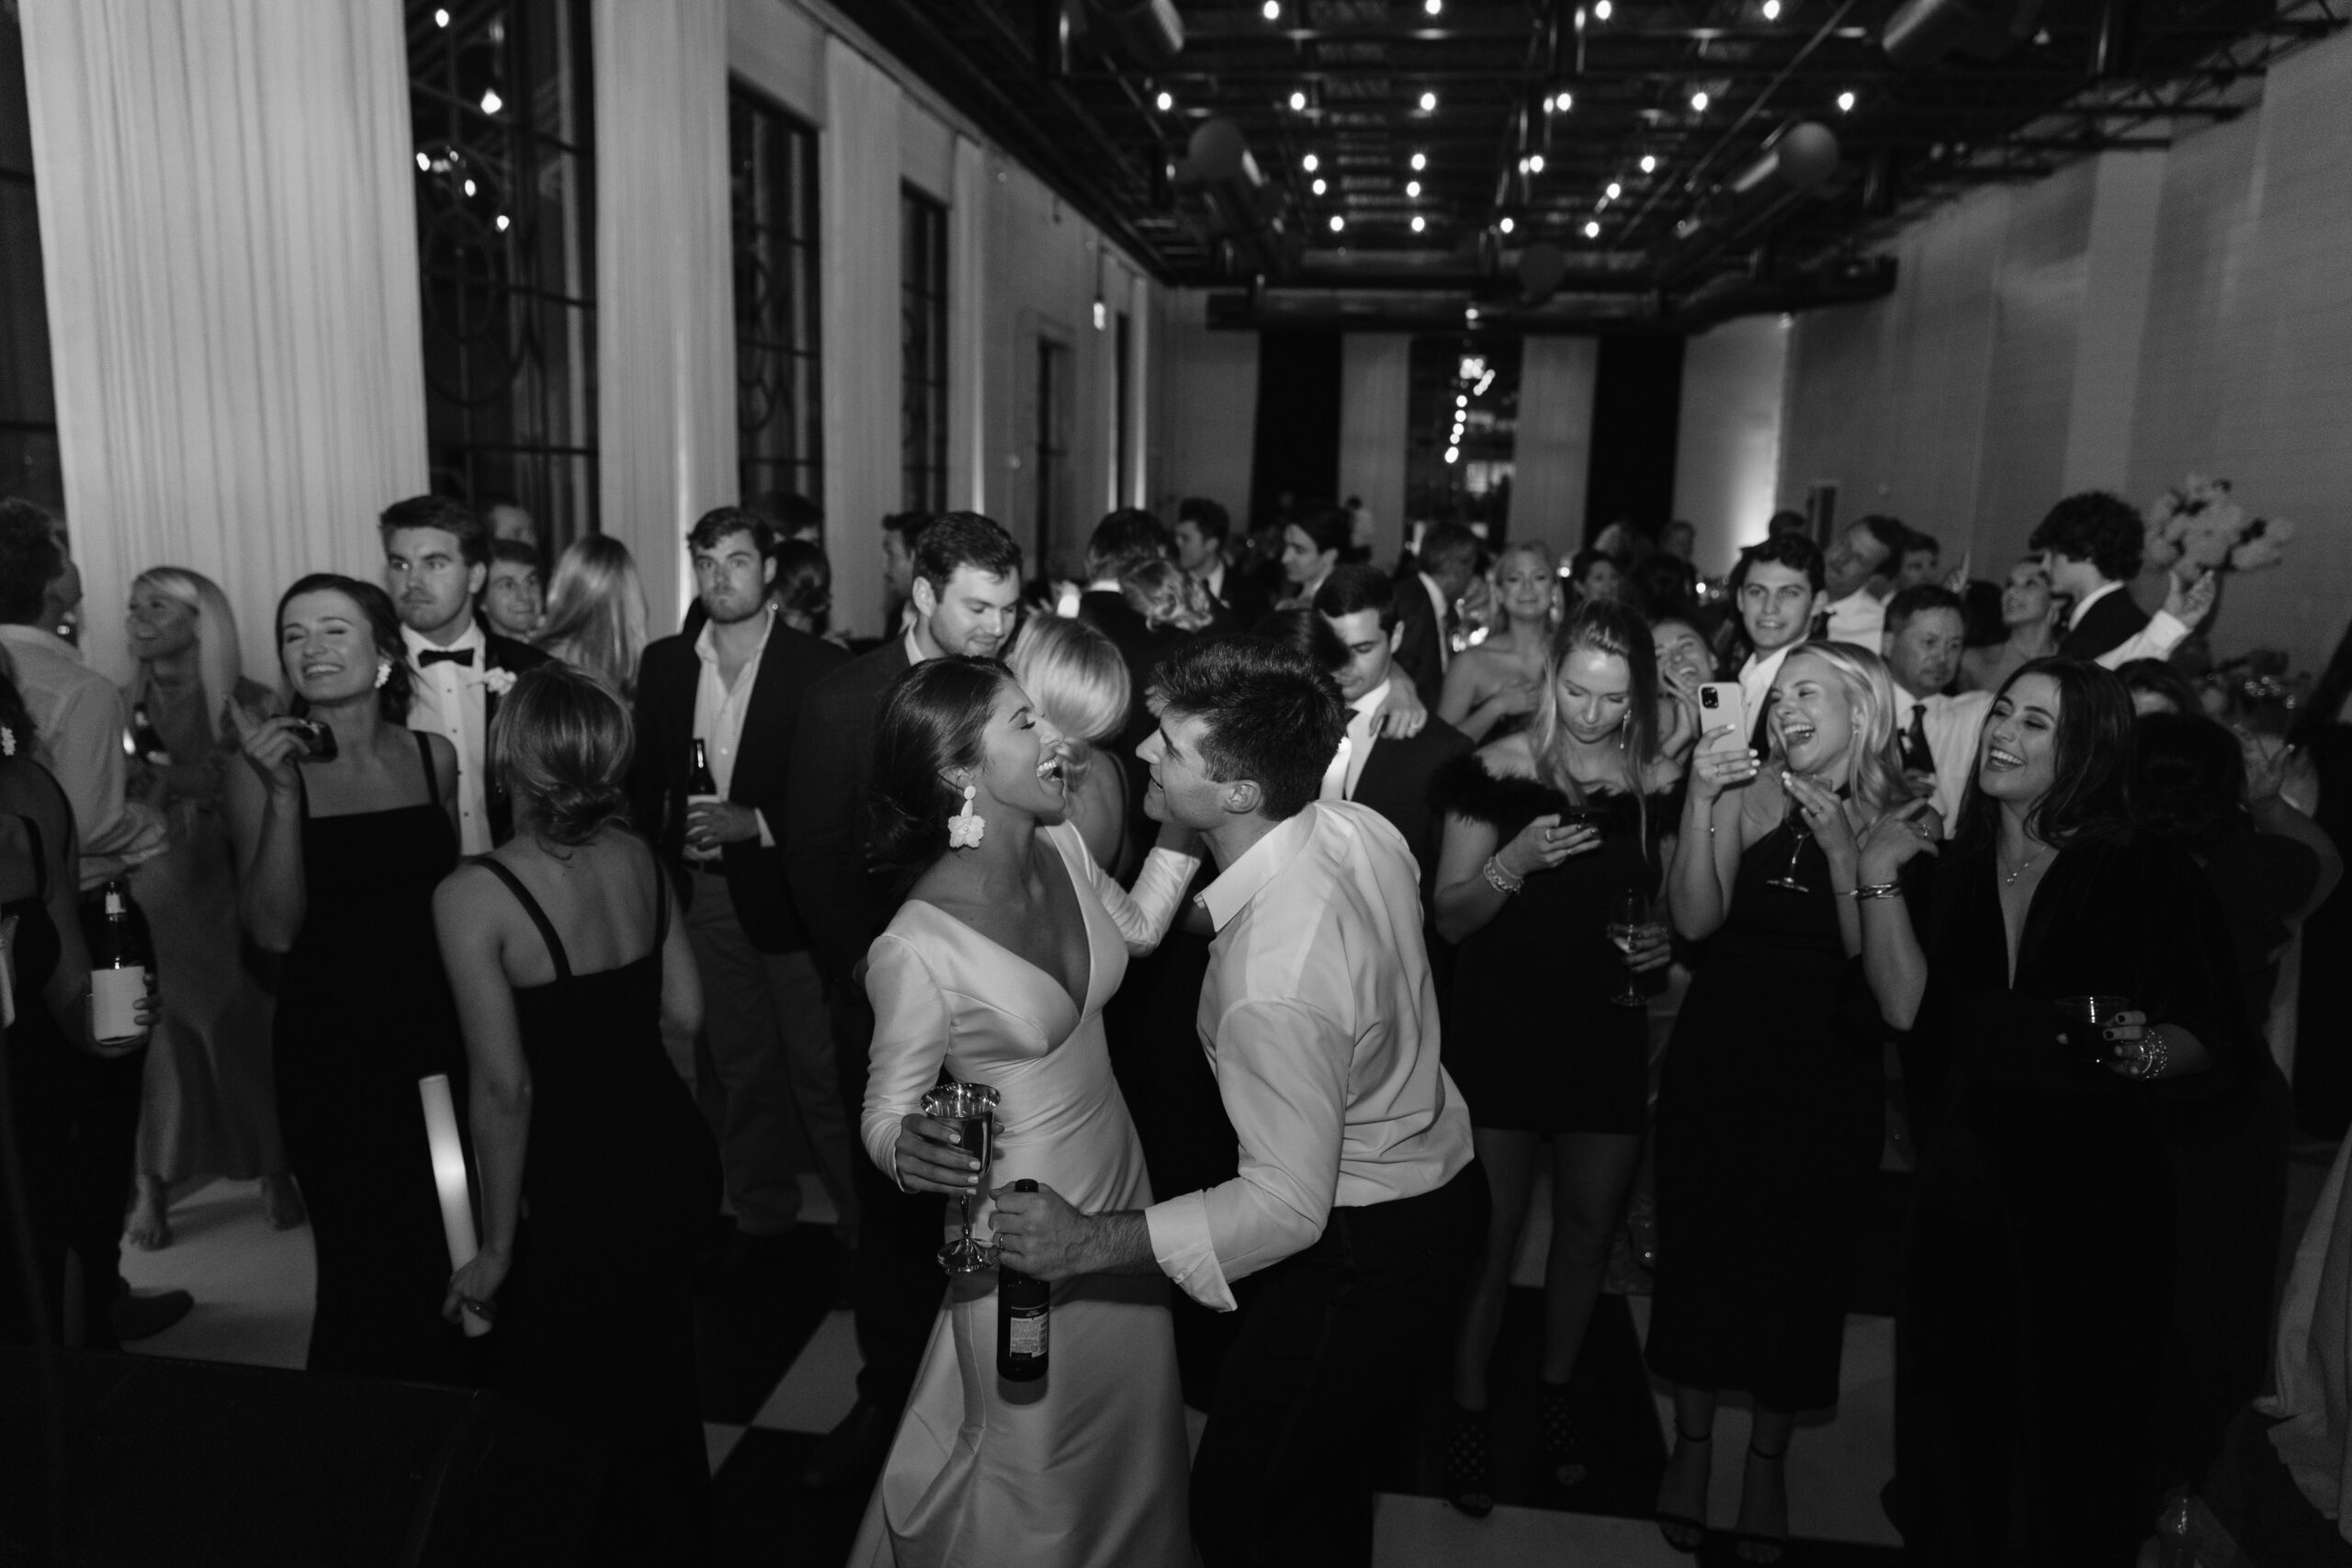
<point x="464" y="655"/>
<point x="1821" y="627"/>
<point x="1916" y="757"/>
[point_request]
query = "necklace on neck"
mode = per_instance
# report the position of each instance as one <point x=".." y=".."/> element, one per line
<point x="2009" y="878"/>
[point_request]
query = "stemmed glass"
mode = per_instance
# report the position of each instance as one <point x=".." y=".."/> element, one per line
<point x="1799" y="831"/>
<point x="971" y="1108"/>
<point x="1627" y="923"/>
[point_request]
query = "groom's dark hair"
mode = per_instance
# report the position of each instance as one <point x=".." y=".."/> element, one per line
<point x="1273" y="717"/>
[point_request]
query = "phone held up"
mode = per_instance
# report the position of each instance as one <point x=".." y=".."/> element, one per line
<point x="1720" y="704"/>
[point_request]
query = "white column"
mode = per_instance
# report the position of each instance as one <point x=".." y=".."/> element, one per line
<point x="2119" y="263"/>
<point x="1139" y="352"/>
<point x="665" y="322"/>
<point x="859" y="198"/>
<point x="1728" y="455"/>
<point x="1553" y="454"/>
<point x="230" y="241"/>
<point x="1375" y="384"/>
<point x="968" y="246"/>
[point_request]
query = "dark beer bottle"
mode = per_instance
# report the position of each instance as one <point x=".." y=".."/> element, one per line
<point x="1022" y="1306"/>
<point x="701" y="788"/>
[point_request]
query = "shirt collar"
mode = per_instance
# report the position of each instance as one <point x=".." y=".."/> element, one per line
<point x="2083" y="605"/>
<point x="914" y="649"/>
<point x="1373" y="698"/>
<point x="706" y="650"/>
<point x="1762" y="663"/>
<point x="42" y="637"/>
<point x="1247" y="877"/>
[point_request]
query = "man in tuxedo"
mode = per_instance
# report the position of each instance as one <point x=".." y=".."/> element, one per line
<point x="2092" y="545"/>
<point x="1858" y="574"/>
<point x="1201" y="529"/>
<point x="736" y="689"/>
<point x="1449" y="560"/>
<point x="436" y="559"/>
<point x="965" y="595"/>
<point x="1123" y="540"/>
<point x="1777" y="589"/>
<point x="1389" y="774"/>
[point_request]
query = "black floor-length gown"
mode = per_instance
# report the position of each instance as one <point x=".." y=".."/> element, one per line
<point x="620" y="1183"/>
<point x="1531" y="1037"/>
<point x="363" y="1012"/>
<point x="2038" y="1302"/>
<point x="1770" y="1118"/>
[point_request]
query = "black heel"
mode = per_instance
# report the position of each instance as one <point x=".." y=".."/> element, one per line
<point x="1681" y="1531"/>
<point x="1469" y="1465"/>
<point x="1761" y="1551"/>
<point x="1561" y="1444"/>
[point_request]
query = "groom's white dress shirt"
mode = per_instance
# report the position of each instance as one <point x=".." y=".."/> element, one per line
<point x="1320" y="1020"/>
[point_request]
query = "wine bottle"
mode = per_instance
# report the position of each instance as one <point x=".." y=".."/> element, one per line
<point x="701" y="789"/>
<point x="1022" y="1304"/>
<point x="118" y="974"/>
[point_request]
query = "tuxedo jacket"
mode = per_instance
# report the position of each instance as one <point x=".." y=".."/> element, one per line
<point x="2113" y="620"/>
<point x="501" y="653"/>
<point x="1418" y="651"/>
<point x="1395" y="782"/>
<point x="1245" y="601"/>
<point x="827" y="833"/>
<point x="667" y="681"/>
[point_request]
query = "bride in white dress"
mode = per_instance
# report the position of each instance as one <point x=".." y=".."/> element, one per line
<point x="997" y="966"/>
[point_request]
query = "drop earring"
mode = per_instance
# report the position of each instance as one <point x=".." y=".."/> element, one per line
<point x="383" y="672"/>
<point x="964" y="828"/>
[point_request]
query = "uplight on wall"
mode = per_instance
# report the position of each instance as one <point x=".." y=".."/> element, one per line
<point x="1102" y="315"/>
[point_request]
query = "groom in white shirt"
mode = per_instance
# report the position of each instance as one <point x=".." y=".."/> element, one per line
<point x="1358" y="1194"/>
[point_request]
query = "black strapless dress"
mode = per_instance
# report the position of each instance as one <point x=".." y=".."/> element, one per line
<point x="620" y="1187"/>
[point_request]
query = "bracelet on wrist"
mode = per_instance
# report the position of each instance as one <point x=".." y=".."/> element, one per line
<point x="1876" y="890"/>
<point x="1502" y="878"/>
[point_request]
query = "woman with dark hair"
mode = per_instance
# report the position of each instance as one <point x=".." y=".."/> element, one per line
<point x="1595" y="574"/>
<point x="566" y="983"/>
<point x="2042" y="1250"/>
<point x="2031" y="614"/>
<point x="2156" y="687"/>
<point x="804" y="586"/>
<point x="1548" y="833"/>
<point x="997" y="966"/>
<point x="344" y="821"/>
<point x="1771" y="1108"/>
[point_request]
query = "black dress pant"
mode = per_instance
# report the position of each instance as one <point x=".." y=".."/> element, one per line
<point x="1325" y="1365"/>
<point x="897" y="1287"/>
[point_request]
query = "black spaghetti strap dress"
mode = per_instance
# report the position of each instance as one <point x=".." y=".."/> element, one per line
<point x="363" y="1012"/>
<point x="620" y="1184"/>
<point x="1532" y="1038"/>
<point x="38" y="1061"/>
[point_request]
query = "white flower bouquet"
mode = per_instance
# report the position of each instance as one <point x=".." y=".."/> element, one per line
<point x="2201" y="523"/>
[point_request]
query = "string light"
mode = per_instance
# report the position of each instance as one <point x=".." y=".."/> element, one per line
<point x="1649" y="164"/>
<point x="1297" y="101"/>
<point x="1846" y="103"/>
<point x="1412" y="187"/>
<point x="1592" y="228"/>
<point x="1310" y="163"/>
<point x="1166" y="101"/>
<point x="1508" y="225"/>
<point x="1418" y="224"/>
<point x="1420" y="162"/>
<point x="1317" y="187"/>
<point x="490" y="102"/>
<point x="1699" y="102"/>
<point x="1565" y="102"/>
<point x="1338" y="222"/>
<point x="469" y="187"/>
<point x="1615" y="190"/>
<point x="423" y="163"/>
<point x="1535" y="164"/>
<point x="1462" y="400"/>
<point x="440" y="18"/>
<point x="1453" y="454"/>
<point x="1429" y="103"/>
<point x="502" y="222"/>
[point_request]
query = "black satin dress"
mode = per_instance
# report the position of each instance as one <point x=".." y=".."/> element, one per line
<point x="2039" y="1302"/>
<point x="620" y="1187"/>
<point x="1531" y="1037"/>
<point x="363" y="1012"/>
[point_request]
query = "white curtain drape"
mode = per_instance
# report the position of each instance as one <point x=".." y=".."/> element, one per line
<point x="968" y="244"/>
<point x="229" y="238"/>
<point x="1553" y="453"/>
<point x="1375" y="376"/>
<point x="859" y="193"/>
<point x="665" y="322"/>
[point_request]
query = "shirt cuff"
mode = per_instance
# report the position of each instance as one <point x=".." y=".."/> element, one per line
<point x="1185" y="1251"/>
<point x="767" y="839"/>
<point x="2164" y="632"/>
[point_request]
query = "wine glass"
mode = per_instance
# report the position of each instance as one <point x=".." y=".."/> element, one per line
<point x="1799" y="831"/>
<point x="971" y="1108"/>
<point x="1627" y="923"/>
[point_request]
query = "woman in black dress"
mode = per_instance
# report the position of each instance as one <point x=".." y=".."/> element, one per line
<point x="569" y="965"/>
<point x="1548" y="832"/>
<point x="1769" y="1118"/>
<point x="2042" y="1248"/>
<point x="339" y="854"/>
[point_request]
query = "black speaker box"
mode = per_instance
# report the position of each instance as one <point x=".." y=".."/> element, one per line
<point x="195" y="1463"/>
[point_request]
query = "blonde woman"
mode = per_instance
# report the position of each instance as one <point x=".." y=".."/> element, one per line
<point x="1493" y="687"/>
<point x="596" y="612"/>
<point x="1771" y="1108"/>
<point x="1170" y="598"/>
<point x="1079" y="683"/>
<point x="210" y="1107"/>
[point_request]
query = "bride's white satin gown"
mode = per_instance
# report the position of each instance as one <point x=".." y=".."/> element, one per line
<point x="1091" y="1465"/>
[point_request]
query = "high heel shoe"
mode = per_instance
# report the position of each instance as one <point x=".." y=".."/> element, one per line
<point x="1681" y="1531"/>
<point x="1561" y="1445"/>
<point x="1748" y="1546"/>
<point x="1469" y="1465"/>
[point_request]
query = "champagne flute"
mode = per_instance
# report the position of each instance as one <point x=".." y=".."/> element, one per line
<point x="1627" y="923"/>
<point x="971" y="1108"/>
<point x="1799" y="831"/>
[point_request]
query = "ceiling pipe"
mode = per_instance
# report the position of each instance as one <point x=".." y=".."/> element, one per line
<point x="1797" y="160"/>
<point x="1922" y="33"/>
<point x="1148" y="32"/>
<point x="1242" y="207"/>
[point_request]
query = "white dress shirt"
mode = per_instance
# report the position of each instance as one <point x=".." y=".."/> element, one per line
<point x="1859" y="618"/>
<point x="1346" y="767"/>
<point x="1756" y="678"/>
<point x="2163" y="632"/>
<point x="1320" y="1022"/>
<point x="1438" y="604"/>
<point x="82" y="720"/>
<point x="719" y="709"/>
<point x="1213" y="581"/>
<point x="1953" y="726"/>
<point x="453" y="702"/>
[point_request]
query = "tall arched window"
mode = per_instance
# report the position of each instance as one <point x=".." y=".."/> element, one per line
<point x="779" y="413"/>
<point x="29" y="462"/>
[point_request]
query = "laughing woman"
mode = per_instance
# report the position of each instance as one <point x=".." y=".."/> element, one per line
<point x="1769" y="1114"/>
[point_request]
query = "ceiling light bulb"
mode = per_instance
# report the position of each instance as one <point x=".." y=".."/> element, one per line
<point x="1338" y="222"/>
<point x="1298" y="101"/>
<point x="1453" y="454"/>
<point x="1310" y="163"/>
<point x="423" y="162"/>
<point x="1649" y="164"/>
<point x="1565" y="102"/>
<point x="1615" y="190"/>
<point x="1601" y="10"/>
<point x="1535" y="164"/>
<point x="1771" y="10"/>
<point x="1166" y="101"/>
<point x="1317" y="187"/>
<point x="1273" y="8"/>
<point x="1432" y="7"/>
<point x="1420" y="162"/>
<point x="1699" y="102"/>
<point x="1592" y="228"/>
<point x="1418" y="224"/>
<point x="1429" y="103"/>
<point x="1845" y="102"/>
<point x="469" y="187"/>
<point x="1412" y="187"/>
<point x="440" y="18"/>
<point x="490" y="102"/>
<point x="1508" y="225"/>
<point x="1522" y="165"/>
<point x="1469" y="314"/>
<point x="502" y="222"/>
<point x="1462" y="400"/>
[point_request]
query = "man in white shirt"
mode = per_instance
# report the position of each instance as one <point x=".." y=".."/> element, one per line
<point x="1937" y="734"/>
<point x="1859" y="573"/>
<point x="1777" y="587"/>
<point x="436" y="558"/>
<point x="1358" y="1194"/>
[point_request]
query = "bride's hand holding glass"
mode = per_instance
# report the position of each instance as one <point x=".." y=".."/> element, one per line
<point x="930" y="1160"/>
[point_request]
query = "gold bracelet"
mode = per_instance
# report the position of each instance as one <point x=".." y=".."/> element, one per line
<point x="1502" y="878"/>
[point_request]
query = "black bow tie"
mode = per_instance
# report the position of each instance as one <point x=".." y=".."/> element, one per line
<point x="464" y="655"/>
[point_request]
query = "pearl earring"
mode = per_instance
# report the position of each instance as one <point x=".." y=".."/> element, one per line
<point x="964" y="828"/>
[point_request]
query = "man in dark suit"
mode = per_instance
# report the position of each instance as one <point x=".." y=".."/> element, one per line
<point x="965" y="593"/>
<point x="1201" y="529"/>
<point x="1425" y="600"/>
<point x="436" y="559"/>
<point x="2092" y="545"/>
<point x="1121" y="541"/>
<point x="1388" y="773"/>
<point x="731" y="693"/>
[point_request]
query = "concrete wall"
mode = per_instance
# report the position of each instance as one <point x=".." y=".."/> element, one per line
<point x="1727" y="458"/>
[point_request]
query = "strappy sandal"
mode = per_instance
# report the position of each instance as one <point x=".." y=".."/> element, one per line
<point x="1469" y="1465"/>
<point x="1683" y="1532"/>
<point x="1561" y="1444"/>
<point x="1760" y="1550"/>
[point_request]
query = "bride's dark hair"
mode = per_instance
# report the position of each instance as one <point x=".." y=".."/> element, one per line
<point x="932" y="719"/>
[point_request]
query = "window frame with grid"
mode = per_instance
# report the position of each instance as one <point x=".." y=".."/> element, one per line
<point x="772" y="165"/>
<point x="923" y="393"/>
<point x="31" y="465"/>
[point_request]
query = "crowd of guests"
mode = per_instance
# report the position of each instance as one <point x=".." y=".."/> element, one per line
<point x="1900" y="845"/>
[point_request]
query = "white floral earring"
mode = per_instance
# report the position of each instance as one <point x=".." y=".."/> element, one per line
<point x="964" y="828"/>
<point x="383" y="672"/>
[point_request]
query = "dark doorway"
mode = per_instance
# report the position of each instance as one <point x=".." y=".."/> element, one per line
<point x="1296" y="448"/>
<point x="1637" y="409"/>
